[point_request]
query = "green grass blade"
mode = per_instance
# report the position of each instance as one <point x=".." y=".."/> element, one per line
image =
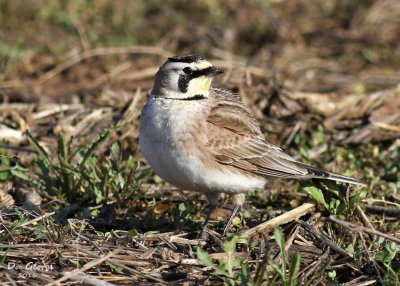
<point x="42" y="153"/>
<point x="294" y="269"/>
<point x="102" y="137"/>
<point x="280" y="240"/>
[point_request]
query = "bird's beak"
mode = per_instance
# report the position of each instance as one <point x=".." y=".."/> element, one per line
<point x="210" y="71"/>
<point x="214" y="71"/>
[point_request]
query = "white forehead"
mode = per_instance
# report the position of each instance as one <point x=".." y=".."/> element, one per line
<point x="199" y="65"/>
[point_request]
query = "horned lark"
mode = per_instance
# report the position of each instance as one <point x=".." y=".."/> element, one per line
<point x="204" y="139"/>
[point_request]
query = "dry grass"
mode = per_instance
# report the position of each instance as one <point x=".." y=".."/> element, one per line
<point x="79" y="203"/>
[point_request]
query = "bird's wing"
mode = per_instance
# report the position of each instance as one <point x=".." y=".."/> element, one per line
<point x="235" y="139"/>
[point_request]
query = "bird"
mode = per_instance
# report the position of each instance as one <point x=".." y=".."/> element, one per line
<point x="205" y="139"/>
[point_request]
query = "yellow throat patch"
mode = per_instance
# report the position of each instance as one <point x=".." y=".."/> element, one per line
<point x="199" y="85"/>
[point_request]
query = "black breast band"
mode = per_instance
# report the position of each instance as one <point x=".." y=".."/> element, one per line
<point x="195" y="97"/>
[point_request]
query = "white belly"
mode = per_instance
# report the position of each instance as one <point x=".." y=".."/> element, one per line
<point x="162" y="124"/>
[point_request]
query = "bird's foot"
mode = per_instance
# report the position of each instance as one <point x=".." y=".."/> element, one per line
<point x="203" y="234"/>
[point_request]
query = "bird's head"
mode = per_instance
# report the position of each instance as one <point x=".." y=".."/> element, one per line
<point x="185" y="77"/>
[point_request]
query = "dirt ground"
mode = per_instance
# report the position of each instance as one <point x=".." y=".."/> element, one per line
<point x="79" y="205"/>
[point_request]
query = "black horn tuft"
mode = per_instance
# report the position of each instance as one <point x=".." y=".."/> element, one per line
<point x="187" y="59"/>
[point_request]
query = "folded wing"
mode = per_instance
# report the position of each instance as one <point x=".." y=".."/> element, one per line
<point x="236" y="140"/>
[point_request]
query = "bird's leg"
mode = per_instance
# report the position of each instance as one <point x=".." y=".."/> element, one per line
<point x="239" y="201"/>
<point x="211" y="207"/>
<point x="233" y="215"/>
<point x="212" y="203"/>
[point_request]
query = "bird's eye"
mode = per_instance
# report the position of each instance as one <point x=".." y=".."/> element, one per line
<point x="188" y="71"/>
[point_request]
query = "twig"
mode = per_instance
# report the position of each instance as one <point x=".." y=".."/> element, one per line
<point x="131" y="112"/>
<point x="282" y="219"/>
<point x="89" y="280"/>
<point x="84" y="238"/>
<point x="371" y="259"/>
<point x="293" y="133"/>
<point x="18" y="148"/>
<point x="20" y="107"/>
<point x="371" y="201"/>
<point x="110" y="75"/>
<point x="382" y="210"/>
<point x="56" y="108"/>
<point x="87" y="266"/>
<point x="249" y="68"/>
<point x="46" y="215"/>
<point x="312" y="268"/>
<point x="30" y="245"/>
<point x="225" y="256"/>
<point x="185" y="241"/>
<point x="11" y="84"/>
<point x="119" y="264"/>
<point x="10" y="279"/>
<point x="101" y="52"/>
<point x="141" y="74"/>
<point x="356" y="227"/>
<point x="358" y="281"/>
<point x="288" y="244"/>
<point x="33" y="220"/>
<point x="324" y="239"/>
<point x="169" y="243"/>
<point x="290" y="239"/>
<point x="386" y="126"/>
<point x="363" y="217"/>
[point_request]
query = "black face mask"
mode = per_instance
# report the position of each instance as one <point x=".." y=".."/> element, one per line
<point x="189" y="74"/>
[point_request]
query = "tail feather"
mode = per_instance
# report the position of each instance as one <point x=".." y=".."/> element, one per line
<point x="344" y="179"/>
<point x="322" y="174"/>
